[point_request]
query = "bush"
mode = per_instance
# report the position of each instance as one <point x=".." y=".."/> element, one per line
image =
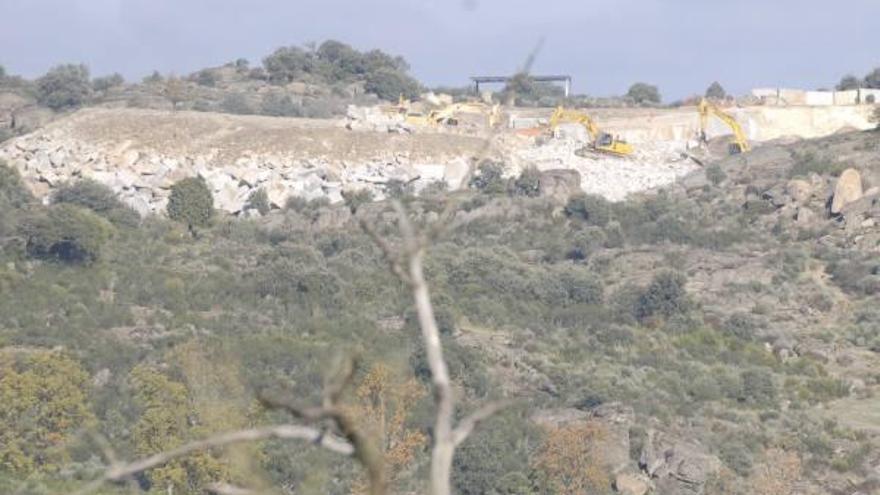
<point x="259" y="201"/>
<point x="390" y="84"/>
<point x="236" y="103"/>
<point x="66" y="233"/>
<point x="757" y="387"/>
<point x="715" y="174"/>
<point x="13" y="193"/>
<point x="664" y="297"/>
<point x="108" y="82"/>
<point x="528" y="183"/>
<point x="64" y="86"/>
<point x="88" y="194"/>
<point x="741" y="326"/>
<point x="716" y="91"/>
<point x="278" y="104"/>
<point x="642" y="93"/>
<point x="191" y="203"/>
<point x="592" y="208"/>
<point x="489" y="178"/>
<point x="398" y="189"/>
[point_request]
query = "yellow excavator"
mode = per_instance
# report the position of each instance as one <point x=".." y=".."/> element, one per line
<point x="446" y="115"/>
<point x="740" y="142"/>
<point x="602" y="141"/>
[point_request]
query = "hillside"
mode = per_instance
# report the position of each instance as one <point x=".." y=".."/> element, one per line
<point x="718" y="335"/>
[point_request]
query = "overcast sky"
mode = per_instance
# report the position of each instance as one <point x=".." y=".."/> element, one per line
<point x="680" y="45"/>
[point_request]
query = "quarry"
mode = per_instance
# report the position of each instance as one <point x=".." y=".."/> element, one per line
<point x="140" y="153"/>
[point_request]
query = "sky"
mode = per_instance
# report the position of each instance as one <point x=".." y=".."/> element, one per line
<point x="605" y="45"/>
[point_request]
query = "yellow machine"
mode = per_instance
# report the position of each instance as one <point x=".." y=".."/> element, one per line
<point x="602" y="141"/>
<point x="447" y="115"/>
<point x="740" y="143"/>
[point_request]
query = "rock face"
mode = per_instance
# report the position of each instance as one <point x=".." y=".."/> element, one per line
<point x="847" y="190"/>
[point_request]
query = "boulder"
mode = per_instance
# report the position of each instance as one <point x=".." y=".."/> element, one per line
<point x="847" y="190"/>
<point x="631" y="484"/>
<point x="799" y="190"/>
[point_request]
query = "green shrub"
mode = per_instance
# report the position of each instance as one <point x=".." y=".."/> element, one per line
<point x="236" y="103"/>
<point x="715" y="174"/>
<point x="389" y="84"/>
<point x="88" y="194"/>
<point x="259" y="201"/>
<point x="278" y="104"/>
<point x="64" y="86"/>
<point x="107" y="82"/>
<point x="489" y="178"/>
<point x="664" y="297"/>
<point x="757" y="387"/>
<point x="591" y="208"/>
<point x="191" y="203"/>
<point x="642" y="93"/>
<point x="398" y="189"/>
<point x="66" y="233"/>
<point x="741" y="326"/>
<point x="528" y="183"/>
<point x="13" y="192"/>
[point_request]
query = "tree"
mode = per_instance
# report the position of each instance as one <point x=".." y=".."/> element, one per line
<point x="13" y="192"/>
<point x="664" y="297"/>
<point x="191" y="203"/>
<point x="64" y="86"/>
<point x="288" y="64"/>
<point x="570" y="460"/>
<point x="848" y="83"/>
<point x="489" y="178"/>
<point x="106" y="82"/>
<point x="176" y="90"/>
<point x="163" y="425"/>
<point x="2" y="72"/>
<point x="43" y="402"/>
<point x="715" y="91"/>
<point x="390" y="84"/>
<point x="88" y="194"/>
<point x="872" y="80"/>
<point x="642" y="93"/>
<point x="66" y="233"/>
<point x="383" y="408"/>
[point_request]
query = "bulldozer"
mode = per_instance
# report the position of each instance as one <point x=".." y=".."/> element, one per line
<point x="603" y="142"/>
<point x="740" y="143"/>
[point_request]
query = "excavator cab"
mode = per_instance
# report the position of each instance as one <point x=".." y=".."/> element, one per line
<point x="740" y="142"/>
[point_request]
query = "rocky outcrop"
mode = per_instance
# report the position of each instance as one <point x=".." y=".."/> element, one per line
<point x="847" y="189"/>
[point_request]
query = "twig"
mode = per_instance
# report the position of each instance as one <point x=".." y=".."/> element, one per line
<point x="120" y="472"/>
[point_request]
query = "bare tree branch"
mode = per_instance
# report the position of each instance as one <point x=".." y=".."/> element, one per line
<point x="120" y="472"/>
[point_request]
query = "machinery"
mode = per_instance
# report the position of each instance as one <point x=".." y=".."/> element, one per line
<point x="740" y="143"/>
<point x="447" y="115"/>
<point x="602" y="141"/>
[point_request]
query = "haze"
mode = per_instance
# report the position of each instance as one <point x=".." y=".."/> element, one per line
<point x="680" y="45"/>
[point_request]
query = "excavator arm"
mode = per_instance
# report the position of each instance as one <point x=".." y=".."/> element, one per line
<point x="740" y="141"/>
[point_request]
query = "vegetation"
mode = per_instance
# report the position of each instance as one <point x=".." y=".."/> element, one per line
<point x="644" y="94"/>
<point x="715" y="91"/>
<point x="191" y="203"/>
<point x="64" y="87"/>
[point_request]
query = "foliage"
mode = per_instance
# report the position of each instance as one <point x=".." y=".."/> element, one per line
<point x="528" y="183"/>
<point x="278" y="104"/>
<point x="778" y="473"/>
<point x="664" y="297"/>
<point x="13" y="192"/>
<point x="592" y="208"/>
<point x="384" y="406"/>
<point x="259" y="200"/>
<point x="105" y="83"/>
<point x="643" y="93"/>
<point x="43" y="403"/>
<point x="848" y="83"/>
<point x="163" y="425"/>
<point x="382" y="74"/>
<point x="97" y="197"/>
<point x="236" y="103"/>
<point x="715" y="174"/>
<point x="571" y="459"/>
<point x="489" y="178"/>
<point x="872" y="79"/>
<point x="716" y="91"/>
<point x="191" y="202"/>
<point x="66" y="233"/>
<point x="64" y="86"/>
